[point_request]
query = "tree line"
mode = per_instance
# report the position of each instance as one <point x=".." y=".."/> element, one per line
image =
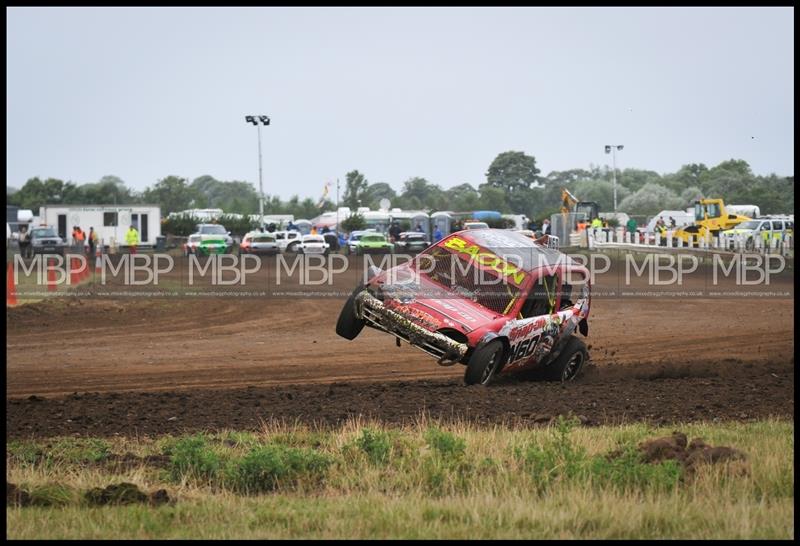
<point x="513" y="184"/>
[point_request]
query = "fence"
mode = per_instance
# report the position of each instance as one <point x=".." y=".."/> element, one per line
<point x="732" y="243"/>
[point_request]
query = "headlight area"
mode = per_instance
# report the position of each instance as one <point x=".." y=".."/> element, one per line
<point x="445" y="349"/>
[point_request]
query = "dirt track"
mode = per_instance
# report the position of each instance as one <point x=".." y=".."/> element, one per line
<point x="230" y="362"/>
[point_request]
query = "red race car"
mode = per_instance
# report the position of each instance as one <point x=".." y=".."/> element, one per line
<point x="493" y="300"/>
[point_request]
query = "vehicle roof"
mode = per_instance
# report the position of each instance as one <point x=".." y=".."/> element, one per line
<point x="529" y="254"/>
<point x="419" y="233"/>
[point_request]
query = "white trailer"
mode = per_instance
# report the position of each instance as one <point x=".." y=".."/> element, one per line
<point x="111" y="222"/>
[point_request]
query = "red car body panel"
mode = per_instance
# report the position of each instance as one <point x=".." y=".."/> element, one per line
<point x="481" y="314"/>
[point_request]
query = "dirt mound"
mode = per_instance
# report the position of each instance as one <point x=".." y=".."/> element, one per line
<point x="691" y="456"/>
<point x="124" y="493"/>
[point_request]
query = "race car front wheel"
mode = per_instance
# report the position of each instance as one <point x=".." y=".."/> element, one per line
<point x="569" y="363"/>
<point x="349" y="325"/>
<point x="484" y="363"/>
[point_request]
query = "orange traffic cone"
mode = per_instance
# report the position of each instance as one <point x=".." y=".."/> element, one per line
<point x="51" y="276"/>
<point x="73" y="272"/>
<point x="11" y="287"/>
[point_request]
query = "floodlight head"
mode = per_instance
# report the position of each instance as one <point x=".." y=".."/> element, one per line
<point x="264" y="119"/>
<point x="251" y="119"/>
<point x="608" y="149"/>
<point x="619" y="147"/>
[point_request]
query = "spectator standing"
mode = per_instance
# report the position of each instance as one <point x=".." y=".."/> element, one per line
<point x="132" y="239"/>
<point x="24" y="241"/>
<point x="92" y="240"/>
<point x="80" y="237"/>
<point x="437" y="235"/>
<point x="631" y="226"/>
<point x="672" y="222"/>
<point x="546" y="227"/>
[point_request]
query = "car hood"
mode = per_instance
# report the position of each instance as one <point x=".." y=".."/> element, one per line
<point x="428" y="303"/>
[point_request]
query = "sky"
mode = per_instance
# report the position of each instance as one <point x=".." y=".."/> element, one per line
<point x="143" y="93"/>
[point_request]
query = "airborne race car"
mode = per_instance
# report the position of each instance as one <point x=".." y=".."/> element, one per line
<point x="490" y="299"/>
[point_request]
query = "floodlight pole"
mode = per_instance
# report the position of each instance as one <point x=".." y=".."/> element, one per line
<point x="337" y="206"/>
<point x="261" y="183"/>
<point x="613" y="149"/>
<point x="255" y="121"/>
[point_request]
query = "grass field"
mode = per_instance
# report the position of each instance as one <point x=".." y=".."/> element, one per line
<point x="426" y="481"/>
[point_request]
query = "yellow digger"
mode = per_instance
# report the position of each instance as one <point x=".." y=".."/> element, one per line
<point x="710" y="219"/>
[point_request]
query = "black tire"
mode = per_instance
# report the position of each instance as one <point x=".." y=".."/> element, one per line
<point x="349" y="325"/>
<point x="569" y="363"/>
<point x="484" y="363"/>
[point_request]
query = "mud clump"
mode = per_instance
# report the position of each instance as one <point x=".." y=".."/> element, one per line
<point x="125" y="493"/>
<point x="691" y="455"/>
<point x="16" y="496"/>
<point x="129" y="461"/>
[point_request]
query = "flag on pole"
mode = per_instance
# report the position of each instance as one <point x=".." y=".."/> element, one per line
<point x="567" y="201"/>
<point x="325" y="190"/>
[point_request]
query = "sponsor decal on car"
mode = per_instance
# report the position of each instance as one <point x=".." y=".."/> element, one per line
<point x="485" y="258"/>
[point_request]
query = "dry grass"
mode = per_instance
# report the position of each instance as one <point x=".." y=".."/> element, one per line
<point x="423" y="481"/>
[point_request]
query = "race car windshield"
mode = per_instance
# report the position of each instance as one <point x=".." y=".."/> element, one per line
<point x="213" y="230"/>
<point x="460" y="273"/>
<point x="264" y="239"/>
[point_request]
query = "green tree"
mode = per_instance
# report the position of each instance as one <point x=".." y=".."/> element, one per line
<point x="355" y="188"/>
<point x="353" y="222"/>
<point x="492" y="198"/>
<point x="172" y="194"/>
<point x="512" y="172"/>
<point x="377" y="191"/>
<point x="650" y="199"/>
<point x="418" y="193"/>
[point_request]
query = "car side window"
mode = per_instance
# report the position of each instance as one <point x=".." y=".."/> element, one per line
<point x="764" y="226"/>
<point x="777" y="225"/>
<point x="542" y="297"/>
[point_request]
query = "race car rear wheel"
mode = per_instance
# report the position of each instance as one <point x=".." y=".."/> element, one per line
<point x="349" y="325"/>
<point x="484" y="363"/>
<point x="569" y="363"/>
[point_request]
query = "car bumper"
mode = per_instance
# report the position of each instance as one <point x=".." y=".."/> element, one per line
<point x="261" y="251"/>
<point x="446" y="350"/>
<point x="379" y="250"/>
<point x="60" y="250"/>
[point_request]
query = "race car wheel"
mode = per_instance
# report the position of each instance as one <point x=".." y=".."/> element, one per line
<point x="349" y="325"/>
<point x="569" y="363"/>
<point x="484" y="363"/>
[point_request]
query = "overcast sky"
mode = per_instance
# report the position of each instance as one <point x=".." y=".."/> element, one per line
<point x="393" y="92"/>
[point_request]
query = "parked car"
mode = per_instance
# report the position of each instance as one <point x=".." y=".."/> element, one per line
<point x="355" y="236"/>
<point x="313" y="244"/>
<point x="373" y="243"/>
<point x="460" y="302"/>
<point x="214" y="231"/>
<point x="476" y="225"/>
<point x="257" y="242"/>
<point x="190" y="246"/>
<point x="766" y="228"/>
<point x="288" y="240"/>
<point x="45" y="240"/>
<point x="411" y="242"/>
<point x="212" y="245"/>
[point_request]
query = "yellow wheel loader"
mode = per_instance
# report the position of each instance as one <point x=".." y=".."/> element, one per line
<point x="710" y="219"/>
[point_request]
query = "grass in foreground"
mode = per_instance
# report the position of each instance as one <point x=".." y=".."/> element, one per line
<point x="427" y="481"/>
